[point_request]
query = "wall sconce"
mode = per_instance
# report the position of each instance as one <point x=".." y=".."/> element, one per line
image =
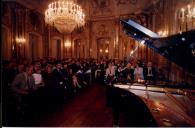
<point x="101" y="50"/>
<point x="20" y="40"/>
<point x="67" y="44"/>
<point x="163" y="33"/>
<point x="187" y="12"/>
<point x="106" y="51"/>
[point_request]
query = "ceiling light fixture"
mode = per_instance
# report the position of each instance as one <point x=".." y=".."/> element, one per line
<point x="65" y="15"/>
<point x="187" y="13"/>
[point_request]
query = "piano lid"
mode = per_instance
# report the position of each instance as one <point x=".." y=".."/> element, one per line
<point x="143" y="29"/>
<point x="179" y="48"/>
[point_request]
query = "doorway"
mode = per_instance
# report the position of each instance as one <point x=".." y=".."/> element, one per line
<point x="103" y="48"/>
<point x="56" y="46"/>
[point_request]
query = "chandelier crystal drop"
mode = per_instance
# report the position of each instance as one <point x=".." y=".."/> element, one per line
<point x="65" y="15"/>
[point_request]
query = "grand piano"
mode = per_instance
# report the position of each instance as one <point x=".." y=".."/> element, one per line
<point x="156" y="105"/>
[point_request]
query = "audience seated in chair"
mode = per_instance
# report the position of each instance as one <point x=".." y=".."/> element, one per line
<point x="110" y="74"/>
<point x="22" y="85"/>
<point x="150" y="73"/>
<point x="138" y="72"/>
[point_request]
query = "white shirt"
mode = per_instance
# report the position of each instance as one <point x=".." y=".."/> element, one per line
<point x="37" y="78"/>
<point x="110" y="72"/>
<point x="149" y="71"/>
<point x="139" y="71"/>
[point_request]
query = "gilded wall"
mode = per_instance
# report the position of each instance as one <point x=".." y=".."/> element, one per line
<point x="101" y="37"/>
<point x="102" y="26"/>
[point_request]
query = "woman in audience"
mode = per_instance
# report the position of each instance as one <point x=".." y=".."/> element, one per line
<point x="48" y="77"/>
<point x="73" y="80"/>
<point x="38" y="76"/>
<point x="138" y="72"/>
<point x="110" y="74"/>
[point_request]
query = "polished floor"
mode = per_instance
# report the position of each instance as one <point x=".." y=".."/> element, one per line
<point x="85" y="109"/>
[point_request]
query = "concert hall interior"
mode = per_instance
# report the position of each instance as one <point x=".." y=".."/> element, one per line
<point x="98" y="63"/>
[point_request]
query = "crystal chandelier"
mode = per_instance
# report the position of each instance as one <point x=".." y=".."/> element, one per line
<point x="65" y="15"/>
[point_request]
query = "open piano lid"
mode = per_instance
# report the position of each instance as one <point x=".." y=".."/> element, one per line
<point x="179" y="48"/>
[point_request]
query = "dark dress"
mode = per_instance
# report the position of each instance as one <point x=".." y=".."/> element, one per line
<point x="53" y="92"/>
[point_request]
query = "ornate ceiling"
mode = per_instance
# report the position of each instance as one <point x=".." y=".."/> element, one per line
<point x="97" y="9"/>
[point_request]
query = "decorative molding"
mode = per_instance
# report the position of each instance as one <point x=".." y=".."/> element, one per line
<point x="101" y="7"/>
<point x="124" y="2"/>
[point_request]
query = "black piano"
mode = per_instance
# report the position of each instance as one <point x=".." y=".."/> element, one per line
<point x="178" y="48"/>
<point x="135" y="100"/>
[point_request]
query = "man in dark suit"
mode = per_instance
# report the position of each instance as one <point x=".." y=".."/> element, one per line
<point x="61" y="80"/>
<point x="150" y="73"/>
<point x="58" y="73"/>
<point x="24" y="82"/>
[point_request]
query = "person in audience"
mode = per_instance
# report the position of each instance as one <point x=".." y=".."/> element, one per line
<point x="51" y="85"/>
<point x="24" y="82"/>
<point x="20" y="68"/>
<point x="120" y="74"/>
<point x="73" y="81"/>
<point x="65" y="70"/>
<point x="81" y="77"/>
<point x="48" y="77"/>
<point x="85" y="67"/>
<point x="150" y="73"/>
<point x="59" y="76"/>
<point x="75" y="66"/>
<point x="98" y="72"/>
<point x="138" y="72"/>
<point x="22" y="85"/>
<point x="129" y="70"/>
<point x="87" y="74"/>
<point x="144" y="69"/>
<point x="61" y="80"/>
<point x="110" y="74"/>
<point x="93" y="68"/>
<point x="103" y="69"/>
<point x="38" y="76"/>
